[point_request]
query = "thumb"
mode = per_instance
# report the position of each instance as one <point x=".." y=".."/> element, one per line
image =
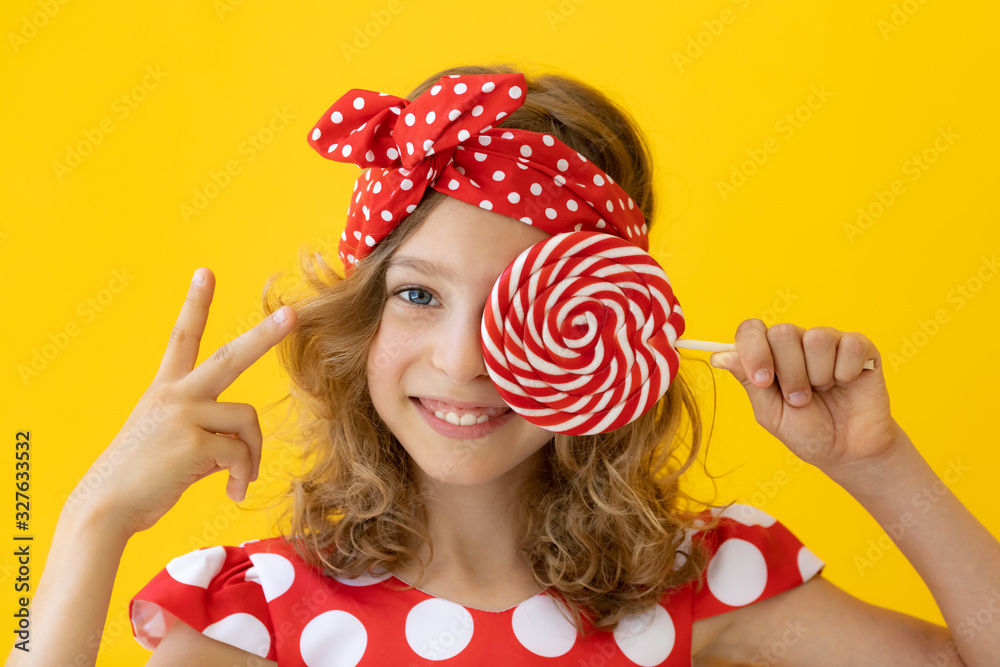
<point x="729" y="361"/>
<point x="759" y="396"/>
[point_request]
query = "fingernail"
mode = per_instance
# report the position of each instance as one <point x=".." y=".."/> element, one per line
<point x="762" y="376"/>
<point x="798" y="398"/>
<point x="280" y="316"/>
<point x="199" y="277"/>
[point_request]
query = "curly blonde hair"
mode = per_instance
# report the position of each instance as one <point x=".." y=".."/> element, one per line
<point x="608" y="526"/>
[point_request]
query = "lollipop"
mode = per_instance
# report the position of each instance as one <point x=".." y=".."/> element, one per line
<point x="579" y="333"/>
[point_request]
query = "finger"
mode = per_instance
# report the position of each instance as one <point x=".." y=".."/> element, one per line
<point x="755" y="352"/>
<point x="219" y="371"/>
<point x="236" y="420"/>
<point x="182" y="348"/>
<point x="820" y="347"/>
<point x="233" y="455"/>
<point x="853" y="350"/>
<point x="790" y="363"/>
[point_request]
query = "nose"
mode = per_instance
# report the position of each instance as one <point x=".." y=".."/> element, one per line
<point x="458" y="352"/>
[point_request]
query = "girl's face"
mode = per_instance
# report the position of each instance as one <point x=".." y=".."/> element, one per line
<point x="426" y="373"/>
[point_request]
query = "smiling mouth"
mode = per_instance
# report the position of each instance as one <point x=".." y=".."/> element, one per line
<point x="461" y="416"/>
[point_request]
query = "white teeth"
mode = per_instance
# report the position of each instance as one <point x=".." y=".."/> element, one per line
<point x="464" y="420"/>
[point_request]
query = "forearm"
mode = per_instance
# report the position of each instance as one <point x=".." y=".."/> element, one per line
<point x="70" y="604"/>
<point x="950" y="549"/>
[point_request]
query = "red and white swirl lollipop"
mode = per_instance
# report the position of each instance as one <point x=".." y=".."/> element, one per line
<point x="579" y="333"/>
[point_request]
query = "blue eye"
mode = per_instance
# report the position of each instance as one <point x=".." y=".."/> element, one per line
<point x="414" y="296"/>
<point x="418" y="297"/>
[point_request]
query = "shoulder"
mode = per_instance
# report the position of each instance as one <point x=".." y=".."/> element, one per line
<point x="751" y="557"/>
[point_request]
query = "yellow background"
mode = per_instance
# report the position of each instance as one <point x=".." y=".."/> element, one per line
<point x="894" y="75"/>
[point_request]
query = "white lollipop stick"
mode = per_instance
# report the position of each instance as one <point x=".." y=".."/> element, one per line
<point x="709" y="346"/>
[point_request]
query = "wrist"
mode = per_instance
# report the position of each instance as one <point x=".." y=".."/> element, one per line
<point x="94" y="516"/>
<point x="881" y="475"/>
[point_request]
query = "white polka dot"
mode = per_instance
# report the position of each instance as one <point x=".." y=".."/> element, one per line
<point x="453" y="184"/>
<point x="346" y="150"/>
<point x="315" y="134"/>
<point x="378" y="187"/>
<point x="578" y="226"/>
<point x="369" y="241"/>
<point x="369" y="156"/>
<point x="600" y="224"/>
<point x="435" y="90"/>
<point x="460" y="88"/>
<point x="343" y="235"/>
<point x="333" y="639"/>
<point x="409" y="148"/>
<point x="621" y="204"/>
<point x="484" y="140"/>
<point x="476" y="110"/>
<point x="404" y="172"/>
<point x="430" y="117"/>
<point x="748" y="515"/>
<point x="507" y="135"/>
<point x="350" y="259"/>
<point x="598" y="179"/>
<point x="809" y="564"/>
<point x="514" y="92"/>
<point x="357" y="234"/>
<point x="579" y="155"/>
<point x="364" y="579"/>
<point x="563" y="165"/>
<point x="337" y="117"/>
<point x="644" y="228"/>
<point x="437" y="629"/>
<point x="197" y="568"/>
<point x="536" y="189"/>
<point x="630" y="204"/>
<point x="242" y="631"/>
<point x="559" y="179"/>
<point x="550" y="213"/>
<point x="406" y="184"/>
<point x="463" y="135"/>
<point x="526" y="151"/>
<point x="609" y="206"/>
<point x="572" y="205"/>
<point x="519" y="165"/>
<point x="332" y="148"/>
<point x="487" y="204"/>
<point x="548" y="140"/>
<point x="527" y="220"/>
<point x="501" y="115"/>
<point x="737" y="573"/>
<point x="275" y="574"/>
<point x="359" y="103"/>
<point x="479" y="156"/>
<point x="629" y="230"/>
<point x="498" y="175"/>
<point x="646" y="638"/>
<point x="409" y="209"/>
<point x="427" y="144"/>
<point x="541" y="628"/>
<point x="392" y="153"/>
<point x="387" y="216"/>
<point x="410" y="119"/>
<point x="453" y="114"/>
<point x="488" y="87"/>
<point x="513" y="197"/>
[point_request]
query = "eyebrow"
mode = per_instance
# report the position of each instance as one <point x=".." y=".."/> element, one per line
<point x="422" y="266"/>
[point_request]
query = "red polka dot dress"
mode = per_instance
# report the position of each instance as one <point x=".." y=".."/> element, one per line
<point x="261" y="597"/>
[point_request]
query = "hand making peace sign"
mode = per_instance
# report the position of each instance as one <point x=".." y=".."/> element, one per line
<point x="178" y="433"/>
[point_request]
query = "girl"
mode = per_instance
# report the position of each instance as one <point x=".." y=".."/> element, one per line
<point x="457" y="508"/>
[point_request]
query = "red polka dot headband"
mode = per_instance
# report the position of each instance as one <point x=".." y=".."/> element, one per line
<point x="445" y="140"/>
<point x="580" y="331"/>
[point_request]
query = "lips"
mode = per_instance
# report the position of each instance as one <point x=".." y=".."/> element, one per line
<point x="460" y="409"/>
<point x="470" y="431"/>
